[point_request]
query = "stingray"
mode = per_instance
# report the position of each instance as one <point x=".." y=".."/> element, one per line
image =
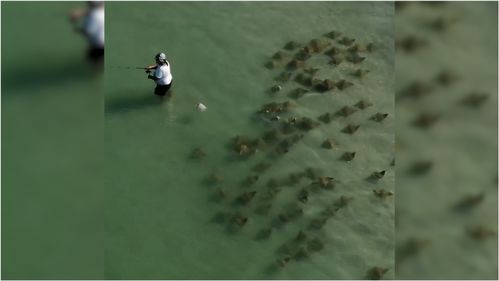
<point x="282" y="219"/>
<point x="284" y="249"/>
<point x="426" y="120"/>
<point x="244" y="146"/>
<point x="294" y="212"/>
<point x="297" y="93"/>
<point x="296" y="63"/>
<point x="360" y="72"/>
<point x="214" y="179"/>
<point x="446" y="77"/>
<point x="311" y="173"/>
<point x="421" y="167"/>
<point x="286" y="144"/>
<point x="333" y="34"/>
<point x="381" y="193"/>
<point x="336" y="60"/>
<point x="329" y="211"/>
<point x="318" y="45"/>
<point x="249" y="181"/>
<point x="304" y="80"/>
<point x="271" y="192"/>
<point x="475" y="100"/>
<point x="481" y="232"/>
<point x="346" y="41"/>
<point x="318" y="223"/>
<point x="264" y="234"/>
<point x="303" y="195"/>
<point x="350" y="129"/>
<point x="315" y="245"/>
<point x="363" y="104"/>
<point x="346" y="111"/>
<point x="291" y="45"/>
<point x="246" y="197"/>
<point x="306" y="124"/>
<point x="325" y="182"/>
<point x="272" y="183"/>
<point x="361" y="48"/>
<point x="332" y="51"/>
<point x="244" y="150"/>
<point x="469" y="202"/>
<point x="378" y="175"/>
<point x="410" y="248"/>
<point x="288" y="128"/>
<point x="198" y="153"/>
<point x="283" y="262"/>
<point x="272" y="64"/>
<point x="324" y="85"/>
<point x="328" y="144"/>
<point x="343" y="201"/>
<point x="263" y="209"/>
<point x="280" y="55"/>
<point x="343" y="84"/>
<point x="326" y="117"/>
<point x="301" y="236"/>
<point x="221" y="217"/>
<point x="271" y="136"/>
<point x="301" y="253"/>
<point x="276" y="88"/>
<point x="355" y="58"/>
<point x="239" y="220"/>
<point x="416" y="90"/>
<point x="220" y="194"/>
<point x="376" y="273"/>
<point x="410" y="43"/>
<point x="284" y="76"/>
<point x="348" y="156"/>
<point x="303" y="54"/>
<point x="441" y="24"/>
<point x="379" y="117"/>
<point x="311" y="70"/>
<point x="261" y="167"/>
<point x="294" y="178"/>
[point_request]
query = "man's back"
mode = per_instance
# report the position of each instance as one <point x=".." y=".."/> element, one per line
<point x="163" y="74"/>
<point x="94" y="27"/>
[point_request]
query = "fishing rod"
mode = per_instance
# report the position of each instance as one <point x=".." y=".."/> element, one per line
<point x="131" y="67"/>
<point x="199" y="106"/>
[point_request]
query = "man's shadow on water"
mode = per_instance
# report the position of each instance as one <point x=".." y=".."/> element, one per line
<point x="47" y="76"/>
<point x="126" y="104"/>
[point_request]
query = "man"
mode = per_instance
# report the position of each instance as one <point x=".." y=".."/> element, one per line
<point x="161" y="75"/>
<point x="90" y="22"/>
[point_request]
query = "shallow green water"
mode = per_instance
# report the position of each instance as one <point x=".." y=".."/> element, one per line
<point x="159" y="211"/>
<point x="51" y="147"/>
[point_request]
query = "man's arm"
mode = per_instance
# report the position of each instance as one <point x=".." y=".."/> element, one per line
<point x="150" y="67"/>
<point x="75" y="16"/>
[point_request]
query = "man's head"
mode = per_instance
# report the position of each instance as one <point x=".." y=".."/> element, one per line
<point x="160" y="58"/>
<point x="95" y="4"/>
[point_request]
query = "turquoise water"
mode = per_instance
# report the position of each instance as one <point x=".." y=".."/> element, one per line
<point x="159" y="209"/>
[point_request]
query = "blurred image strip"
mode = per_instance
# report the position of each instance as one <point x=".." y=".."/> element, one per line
<point x="446" y="140"/>
<point x="52" y="132"/>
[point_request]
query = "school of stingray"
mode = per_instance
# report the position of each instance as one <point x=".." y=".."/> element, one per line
<point x="428" y="108"/>
<point x="291" y="67"/>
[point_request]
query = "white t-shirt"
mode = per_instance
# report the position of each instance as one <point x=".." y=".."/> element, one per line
<point x="163" y="74"/>
<point x="94" y="27"/>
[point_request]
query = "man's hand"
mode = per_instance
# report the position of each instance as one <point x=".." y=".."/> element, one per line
<point x="152" y="77"/>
